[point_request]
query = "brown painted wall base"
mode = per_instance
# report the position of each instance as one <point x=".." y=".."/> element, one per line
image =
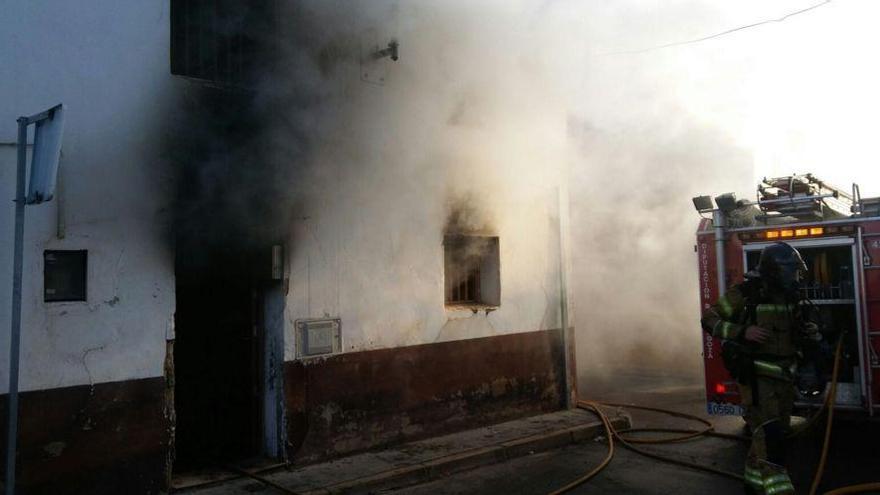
<point x="110" y="438"/>
<point x="362" y="400"/>
<point x="116" y="437"/>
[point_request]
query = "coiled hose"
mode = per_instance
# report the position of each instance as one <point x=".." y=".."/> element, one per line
<point x="628" y="442"/>
<point x="708" y="429"/>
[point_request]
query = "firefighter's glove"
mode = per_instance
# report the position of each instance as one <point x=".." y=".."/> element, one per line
<point x="757" y="334"/>
<point x="810" y="331"/>
<point x="809" y="380"/>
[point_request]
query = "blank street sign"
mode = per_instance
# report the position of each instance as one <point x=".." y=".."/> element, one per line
<point x="47" y="150"/>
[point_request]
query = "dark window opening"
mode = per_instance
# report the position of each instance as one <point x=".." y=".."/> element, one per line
<point x="64" y="276"/>
<point x="218" y="40"/>
<point x="471" y="270"/>
<point x="466" y="289"/>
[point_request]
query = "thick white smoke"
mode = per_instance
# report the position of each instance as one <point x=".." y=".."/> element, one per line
<point x="497" y="100"/>
<point x="662" y="125"/>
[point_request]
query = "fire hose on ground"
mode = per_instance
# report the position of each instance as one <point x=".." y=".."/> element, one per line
<point x="624" y="437"/>
<point x="630" y="442"/>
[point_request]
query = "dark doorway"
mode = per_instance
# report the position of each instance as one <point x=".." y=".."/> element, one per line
<point x="218" y="354"/>
<point x="228" y="214"/>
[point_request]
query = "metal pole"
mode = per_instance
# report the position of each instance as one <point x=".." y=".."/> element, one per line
<point x="718" y="222"/>
<point x="569" y="375"/>
<point x="15" y="333"/>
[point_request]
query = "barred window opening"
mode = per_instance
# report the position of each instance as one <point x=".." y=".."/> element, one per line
<point x="471" y="269"/>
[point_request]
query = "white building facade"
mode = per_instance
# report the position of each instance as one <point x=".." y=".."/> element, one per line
<point x="392" y="295"/>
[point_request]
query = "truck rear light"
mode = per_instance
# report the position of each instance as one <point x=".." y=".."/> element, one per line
<point x="720" y="388"/>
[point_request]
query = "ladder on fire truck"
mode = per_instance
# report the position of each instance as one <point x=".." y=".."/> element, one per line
<point x="803" y="197"/>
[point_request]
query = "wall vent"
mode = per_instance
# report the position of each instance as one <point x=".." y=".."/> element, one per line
<point x="318" y="337"/>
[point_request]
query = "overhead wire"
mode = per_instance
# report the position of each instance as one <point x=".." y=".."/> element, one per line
<point x="722" y="33"/>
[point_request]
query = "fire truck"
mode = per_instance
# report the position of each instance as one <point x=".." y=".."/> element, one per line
<point x="837" y="233"/>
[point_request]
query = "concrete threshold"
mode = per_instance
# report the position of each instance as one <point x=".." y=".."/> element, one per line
<point x="426" y="460"/>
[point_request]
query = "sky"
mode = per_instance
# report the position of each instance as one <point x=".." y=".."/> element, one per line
<point x="657" y="126"/>
<point x="801" y="95"/>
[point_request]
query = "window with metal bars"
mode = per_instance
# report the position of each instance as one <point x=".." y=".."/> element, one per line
<point x="471" y="270"/>
<point x="466" y="288"/>
<point x="218" y="40"/>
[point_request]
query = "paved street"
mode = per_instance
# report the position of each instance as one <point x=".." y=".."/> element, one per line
<point x="851" y="458"/>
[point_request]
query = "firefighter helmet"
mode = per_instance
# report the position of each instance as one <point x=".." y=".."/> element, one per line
<point x="782" y="266"/>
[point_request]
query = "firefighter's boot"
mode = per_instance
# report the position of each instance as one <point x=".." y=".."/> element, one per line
<point x="753" y="483"/>
<point x="775" y="479"/>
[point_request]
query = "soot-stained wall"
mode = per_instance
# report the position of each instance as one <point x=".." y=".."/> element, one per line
<point x="329" y="165"/>
<point x="459" y="137"/>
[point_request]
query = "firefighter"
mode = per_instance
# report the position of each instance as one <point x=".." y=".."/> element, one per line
<point x="763" y="328"/>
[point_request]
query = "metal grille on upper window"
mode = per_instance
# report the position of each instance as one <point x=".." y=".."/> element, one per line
<point x="472" y="271"/>
<point x="218" y="40"/>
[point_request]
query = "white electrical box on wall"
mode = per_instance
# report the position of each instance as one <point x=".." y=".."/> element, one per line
<point x="318" y="337"/>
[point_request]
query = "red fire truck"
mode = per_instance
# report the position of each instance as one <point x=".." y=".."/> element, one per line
<point x="838" y="234"/>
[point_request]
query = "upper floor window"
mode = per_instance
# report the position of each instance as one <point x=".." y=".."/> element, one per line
<point x="217" y="40"/>
<point x="472" y="270"/>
